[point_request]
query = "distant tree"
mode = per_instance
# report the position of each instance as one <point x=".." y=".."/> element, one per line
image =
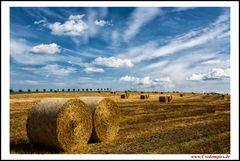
<point x="62" y="90"/>
<point x="101" y="89"/>
<point x="82" y="89"/>
<point x="44" y="90"/>
<point x="29" y="90"/>
<point x="20" y="90"/>
<point x="69" y="90"/>
<point x="73" y="90"/>
<point x="11" y="90"/>
<point x="107" y="89"/>
<point x="51" y="90"/>
<point x="87" y="89"/>
<point x="90" y="89"/>
<point x="98" y="89"/>
<point x="78" y="90"/>
<point x="36" y="90"/>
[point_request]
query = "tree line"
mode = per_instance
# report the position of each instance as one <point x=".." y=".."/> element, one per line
<point x="63" y="90"/>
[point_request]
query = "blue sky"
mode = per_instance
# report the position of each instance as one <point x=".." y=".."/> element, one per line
<point x="123" y="48"/>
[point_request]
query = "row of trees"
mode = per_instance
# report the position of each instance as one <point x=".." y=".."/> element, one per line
<point x="63" y="90"/>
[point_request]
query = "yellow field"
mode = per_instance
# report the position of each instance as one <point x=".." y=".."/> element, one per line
<point x="192" y="124"/>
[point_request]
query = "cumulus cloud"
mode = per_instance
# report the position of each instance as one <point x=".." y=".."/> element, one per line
<point x="113" y="62"/>
<point x="147" y="81"/>
<point x="101" y="23"/>
<point x="214" y="74"/>
<point x="74" y="26"/>
<point x="129" y="79"/>
<point x="93" y="70"/>
<point x="46" y="49"/>
<point x="21" y="52"/>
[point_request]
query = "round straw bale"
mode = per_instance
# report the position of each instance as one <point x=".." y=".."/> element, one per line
<point x="169" y="98"/>
<point x="60" y="123"/>
<point x="127" y="94"/>
<point x="123" y="95"/>
<point x="105" y="118"/>
<point x="163" y="99"/>
<point x="144" y="96"/>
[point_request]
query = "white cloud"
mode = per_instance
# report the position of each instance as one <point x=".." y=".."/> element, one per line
<point x="93" y="70"/>
<point x="29" y="82"/>
<point x="155" y="66"/>
<point x="138" y="19"/>
<point x="214" y="74"/>
<point x="43" y="21"/>
<point x="92" y="28"/>
<point x="76" y="17"/>
<point x="46" y="49"/>
<point x="101" y="22"/>
<point x="140" y="81"/>
<point x="57" y="70"/>
<point x="129" y="79"/>
<point x="188" y="40"/>
<point x="74" y="26"/>
<point x="113" y="62"/>
<point x="215" y="61"/>
<point x="20" y="52"/>
<point x="54" y="70"/>
<point x="196" y="77"/>
<point x="115" y="36"/>
<point x="147" y="81"/>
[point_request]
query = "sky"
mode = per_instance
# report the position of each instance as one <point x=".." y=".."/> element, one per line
<point x="122" y="48"/>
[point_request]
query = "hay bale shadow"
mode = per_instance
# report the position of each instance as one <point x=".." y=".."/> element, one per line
<point x="28" y="148"/>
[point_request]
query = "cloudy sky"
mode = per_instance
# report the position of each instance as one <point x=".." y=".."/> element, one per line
<point x="125" y="48"/>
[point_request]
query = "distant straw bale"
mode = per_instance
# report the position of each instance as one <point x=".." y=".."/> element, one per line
<point x="144" y="96"/>
<point x="124" y="95"/>
<point x="165" y="98"/>
<point x="169" y="97"/>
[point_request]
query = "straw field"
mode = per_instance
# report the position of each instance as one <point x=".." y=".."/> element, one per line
<point x="189" y="124"/>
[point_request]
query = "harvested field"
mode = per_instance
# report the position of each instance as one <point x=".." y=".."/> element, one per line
<point x="192" y="124"/>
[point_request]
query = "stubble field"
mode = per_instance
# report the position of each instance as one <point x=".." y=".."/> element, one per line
<point x="192" y="124"/>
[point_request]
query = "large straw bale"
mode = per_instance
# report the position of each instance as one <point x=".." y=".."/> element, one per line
<point x="105" y="118"/>
<point x="60" y="123"/>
